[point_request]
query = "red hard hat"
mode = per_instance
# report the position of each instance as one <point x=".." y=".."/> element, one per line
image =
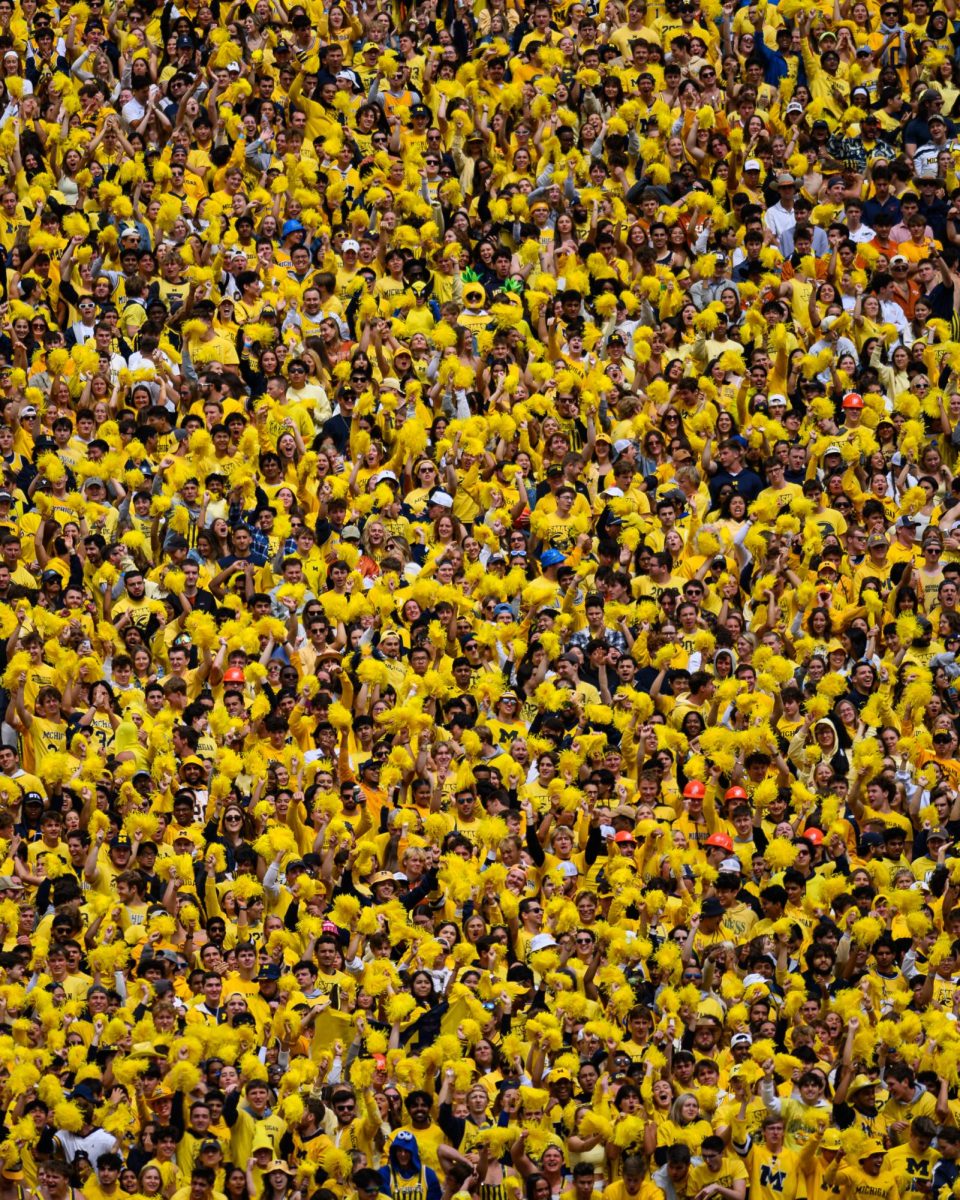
<point x="735" y="793"/>
<point x="234" y="675"/>
<point x="694" y="790"/>
<point x="813" y="835"/>
<point x="853" y="400"/>
<point x="722" y="841"/>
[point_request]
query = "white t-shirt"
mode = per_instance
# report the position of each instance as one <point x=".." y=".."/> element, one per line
<point x="97" y="1142"/>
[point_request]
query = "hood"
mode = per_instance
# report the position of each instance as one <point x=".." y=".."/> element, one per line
<point x="405" y="1141"/>
<point x="661" y="1177"/>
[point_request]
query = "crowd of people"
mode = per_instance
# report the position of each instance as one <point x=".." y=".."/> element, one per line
<point x="479" y="600"/>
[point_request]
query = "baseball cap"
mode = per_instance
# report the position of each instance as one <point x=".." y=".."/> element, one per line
<point x="752" y="164"/>
<point x="541" y="941"/>
<point x="350" y="244"/>
<point x="444" y="499"/>
<point x="551" y="558"/>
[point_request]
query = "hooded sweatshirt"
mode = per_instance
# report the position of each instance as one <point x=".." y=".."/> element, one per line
<point x="415" y="1182"/>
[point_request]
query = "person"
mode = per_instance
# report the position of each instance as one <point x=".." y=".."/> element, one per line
<point x="404" y="1174"/>
<point x="480" y="717"/>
